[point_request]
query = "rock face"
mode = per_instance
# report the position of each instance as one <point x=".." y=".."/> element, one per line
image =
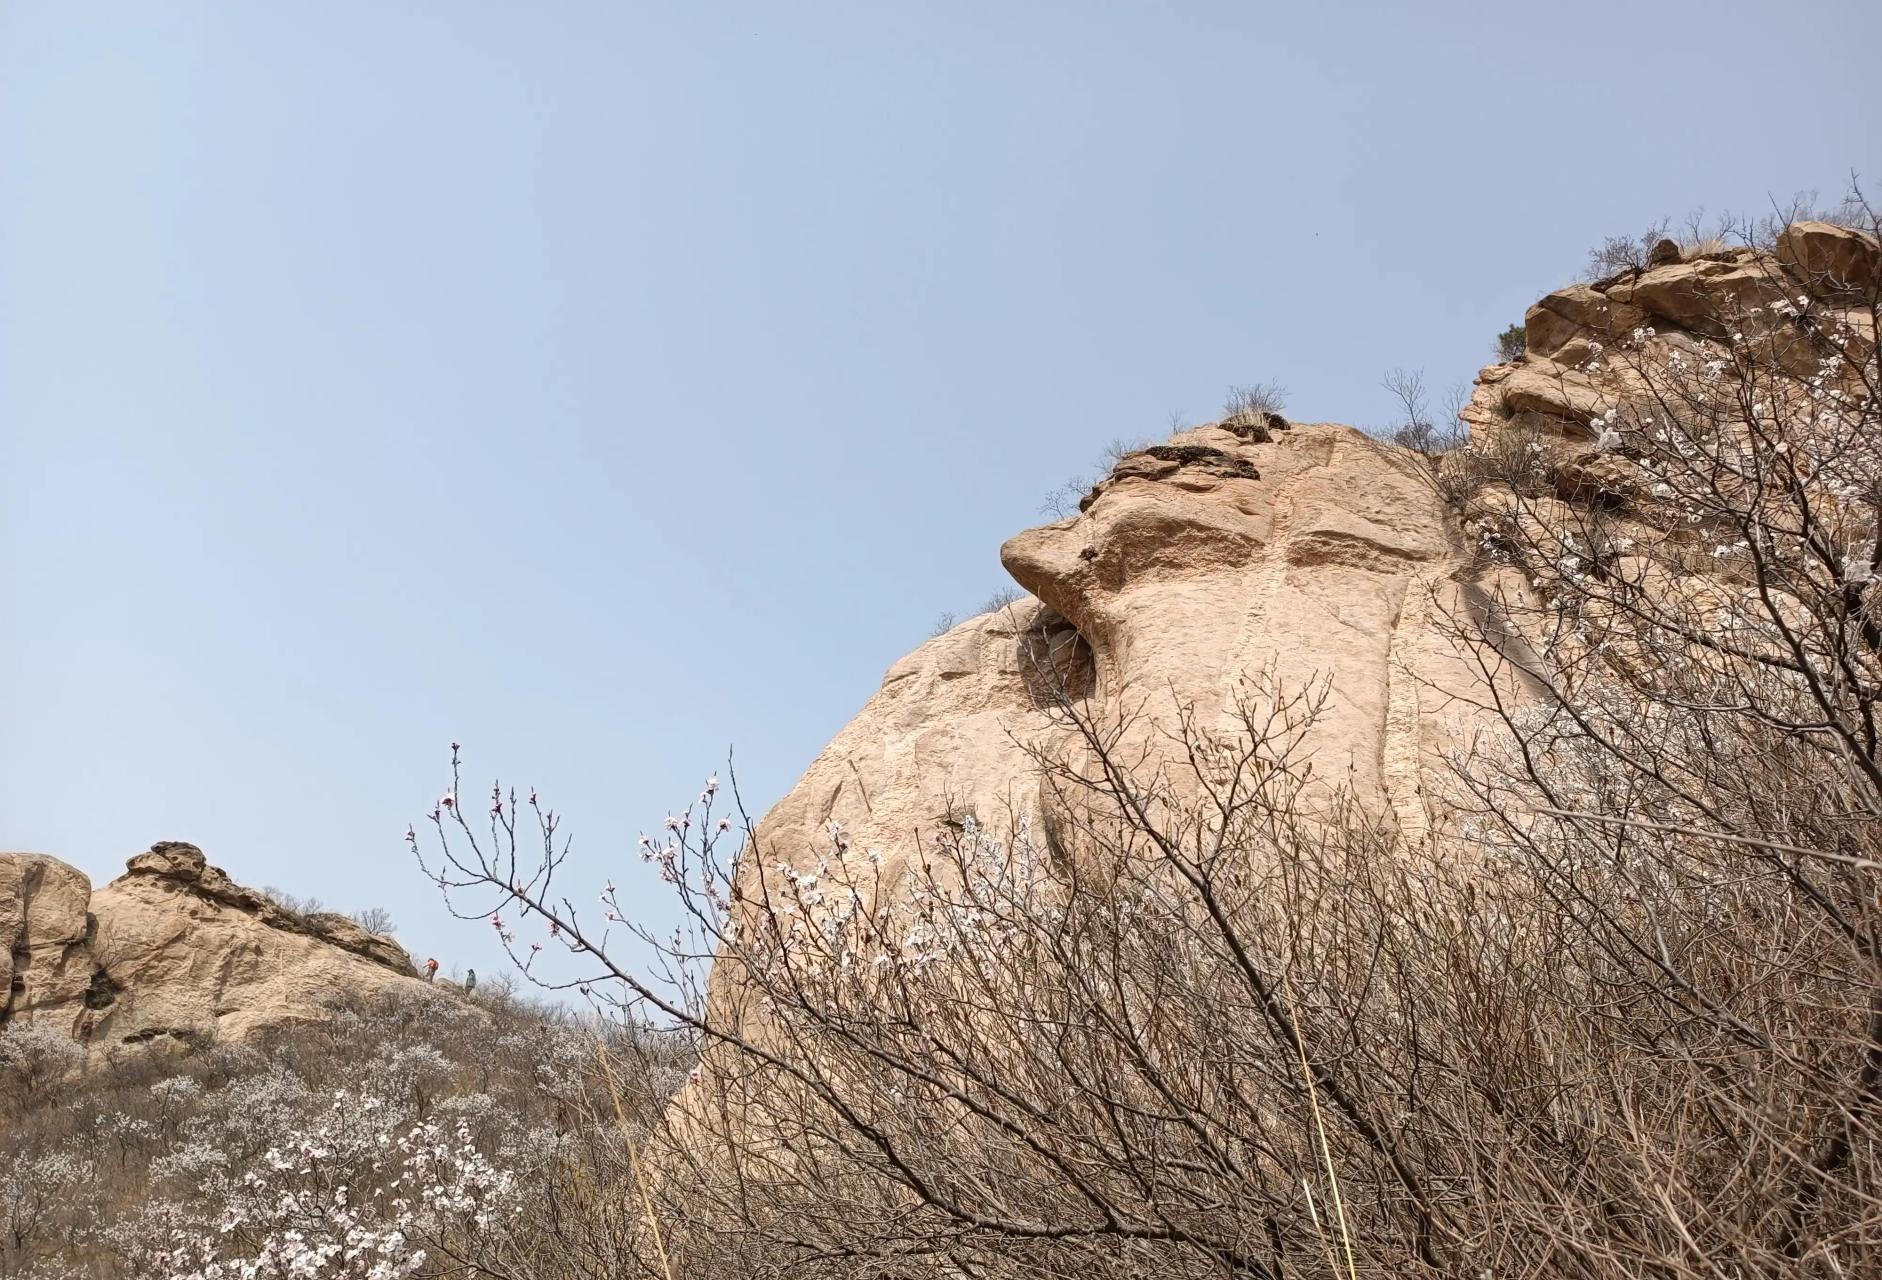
<point x="1577" y="312"/>
<point x="172" y="951"/>
<point x="1306" y="552"/>
<point x="45" y="936"/>
<point x="1777" y="302"/>
<point x="1835" y="260"/>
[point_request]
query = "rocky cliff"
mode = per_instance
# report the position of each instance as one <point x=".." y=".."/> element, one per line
<point x="1707" y="306"/>
<point x="1303" y="553"/>
<point x="171" y="951"/>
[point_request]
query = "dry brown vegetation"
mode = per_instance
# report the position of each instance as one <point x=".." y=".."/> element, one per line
<point x="1209" y="1017"/>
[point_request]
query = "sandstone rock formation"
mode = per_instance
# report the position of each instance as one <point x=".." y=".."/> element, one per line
<point x="1309" y="552"/>
<point x="172" y="951"/>
<point x="1742" y="296"/>
<point x="1306" y="552"/>
<point x="45" y="937"/>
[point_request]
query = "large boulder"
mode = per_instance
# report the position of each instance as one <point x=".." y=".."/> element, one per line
<point x="1562" y="397"/>
<point x="1707" y="295"/>
<point x="1289" y="551"/>
<point x="1319" y="556"/>
<point x="200" y="959"/>
<point x="1305" y="555"/>
<point x="1795" y="304"/>
<point x="1829" y="259"/>
<point x="172" y="952"/>
<point x="45" y="935"/>
<point x="184" y="865"/>
<point x="1579" y="311"/>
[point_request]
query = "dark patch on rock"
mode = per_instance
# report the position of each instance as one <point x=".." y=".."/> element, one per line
<point x="1216" y="460"/>
<point x="188" y="1037"/>
<point x="103" y="991"/>
<point x="1253" y="430"/>
<point x="1056" y="661"/>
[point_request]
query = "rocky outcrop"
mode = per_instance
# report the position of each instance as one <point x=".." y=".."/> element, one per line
<point x="1235" y="561"/>
<point x="1706" y="294"/>
<point x="1296" y="553"/>
<point x="1300" y="554"/>
<point x="182" y="867"/>
<point x="1834" y="260"/>
<point x="45" y="936"/>
<point x="1585" y="343"/>
<point x="173" y="951"/>
<point x="1552" y="393"/>
<point x="1576" y="312"/>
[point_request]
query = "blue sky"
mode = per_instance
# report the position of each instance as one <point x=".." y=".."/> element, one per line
<point x="605" y="386"/>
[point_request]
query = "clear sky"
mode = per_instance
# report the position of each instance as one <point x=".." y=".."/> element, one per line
<point x="605" y="385"/>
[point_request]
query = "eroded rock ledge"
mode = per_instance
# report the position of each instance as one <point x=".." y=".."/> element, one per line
<point x="173" y="950"/>
<point x="185" y="866"/>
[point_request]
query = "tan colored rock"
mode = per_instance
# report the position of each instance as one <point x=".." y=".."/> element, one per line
<point x="1237" y="548"/>
<point x="1553" y="392"/>
<point x="1579" y="311"/>
<point x="1706" y="295"/>
<point x="1830" y="259"/>
<point x="199" y="959"/>
<point x="1315" y="554"/>
<point x="45" y="932"/>
<point x="184" y="864"/>
<point x="1695" y="311"/>
<point x="1586" y="476"/>
<point x="1484" y="413"/>
<point x="173" y="951"/>
<point x="1317" y="562"/>
<point x="942" y="738"/>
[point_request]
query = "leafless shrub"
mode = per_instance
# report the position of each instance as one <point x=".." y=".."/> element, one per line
<point x="1417" y="427"/>
<point x="1701" y="236"/>
<point x="1065" y="500"/>
<point x="1230" y="1025"/>
<point x="375" y="920"/>
<point x="1702" y="758"/>
<point x="1001" y="598"/>
<point x="1252" y="404"/>
<point x="1625" y="253"/>
<point x="1120" y="448"/>
<point x="293" y="904"/>
<point x="1514" y="457"/>
<point x="33" y="1059"/>
<point x="1062" y="501"/>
